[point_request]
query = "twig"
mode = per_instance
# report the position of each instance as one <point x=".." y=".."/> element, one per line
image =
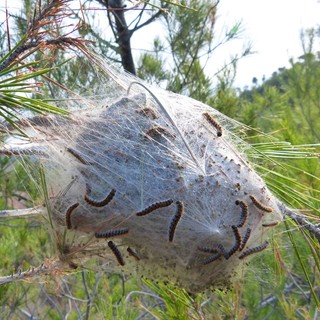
<point x="142" y="293"/>
<point x="69" y="296"/>
<point x="160" y="305"/>
<point x="22" y="212"/>
<point x="302" y="222"/>
<point x="299" y="287"/>
<point x="75" y="299"/>
<point x="44" y="269"/>
<point x="271" y="299"/>
<point x="28" y="314"/>
<point x="20" y="197"/>
<point x="151" y="19"/>
<point x="51" y="301"/>
<point x="40" y="26"/>
<point x="87" y="294"/>
<point x="8" y="29"/>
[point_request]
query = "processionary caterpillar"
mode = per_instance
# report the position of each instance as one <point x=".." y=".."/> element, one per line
<point x="111" y="233"/>
<point x="158" y="132"/>
<point x="244" y="213"/>
<point x="223" y="251"/>
<point x="271" y="224"/>
<point x="100" y="203"/>
<point x="116" y="252"/>
<point x="77" y="156"/>
<point x="213" y="122"/>
<point x="175" y="220"/>
<point x="68" y="215"/>
<point x="238" y="241"/>
<point x="259" y="205"/>
<point x="155" y="206"/>
<point x="245" y="239"/>
<point x="212" y="258"/>
<point x="254" y="250"/>
<point x="133" y="253"/>
<point x="149" y="112"/>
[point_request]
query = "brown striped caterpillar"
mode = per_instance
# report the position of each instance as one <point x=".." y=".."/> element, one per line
<point x="155" y="206"/>
<point x="111" y="233"/>
<point x="149" y="113"/>
<point x="72" y="265"/>
<point x="213" y="122"/>
<point x="212" y="258"/>
<point x="223" y="251"/>
<point x="245" y="239"/>
<point x="259" y="205"/>
<point x="133" y="253"/>
<point x="254" y="250"/>
<point x="100" y="203"/>
<point x="159" y="132"/>
<point x="68" y="215"/>
<point x="88" y="188"/>
<point x="238" y="241"/>
<point x="116" y="252"/>
<point x="175" y="220"/>
<point x="77" y="156"/>
<point x="271" y="224"/>
<point x="244" y="213"/>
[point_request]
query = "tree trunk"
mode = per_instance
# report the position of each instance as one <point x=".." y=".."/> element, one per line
<point x="123" y="35"/>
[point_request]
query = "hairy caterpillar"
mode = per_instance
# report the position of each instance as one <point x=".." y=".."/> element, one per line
<point x="155" y="206"/>
<point x="116" y="252"/>
<point x="111" y="233"/>
<point x="213" y="122"/>
<point x="212" y="258"/>
<point x="245" y="239"/>
<point x="223" y="251"/>
<point x="149" y="112"/>
<point x="100" y="203"/>
<point x="77" y="156"/>
<point x="254" y="250"/>
<point x="133" y="253"/>
<point x="244" y="213"/>
<point x="158" y="132"/>
<point x="68" y="214"/>
<point x="259" y="205"/>
<point x="175" y="220"/>
<point x="238" y="241"/>
<point x="271" y="224"/>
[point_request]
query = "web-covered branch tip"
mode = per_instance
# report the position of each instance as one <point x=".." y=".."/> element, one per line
<point x="303" y="223"/>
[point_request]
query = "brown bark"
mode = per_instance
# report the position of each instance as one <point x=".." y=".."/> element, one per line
<point x="123" y="35"/>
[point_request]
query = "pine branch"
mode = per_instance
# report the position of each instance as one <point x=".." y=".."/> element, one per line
<point x="44" y="31"/>
<point x="300" y="220"/>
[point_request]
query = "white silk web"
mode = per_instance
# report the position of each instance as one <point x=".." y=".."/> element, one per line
<point x="151" y="182"/>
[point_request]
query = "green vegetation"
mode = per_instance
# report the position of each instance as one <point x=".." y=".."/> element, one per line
<point x="282" y="283"/>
